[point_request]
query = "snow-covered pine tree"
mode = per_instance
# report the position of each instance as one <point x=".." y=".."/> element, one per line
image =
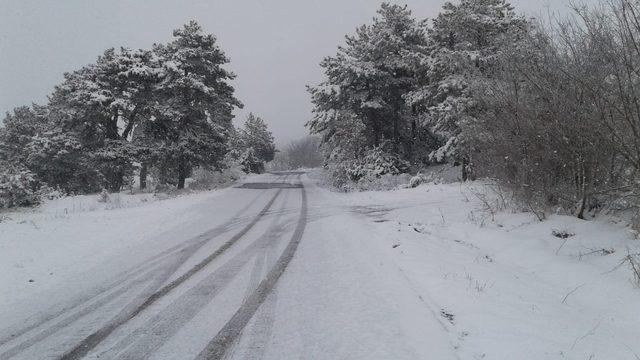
<point x="466" y="39"/>
<point x="18" y="185"/>
<point x="102" y="103"/>
<point x="19" y="127"/>
<point x="366" y="82"/>
<point x="193" y="113"/>
<point x="250" y="162"/>
<point x="256" y="135"/>
<point x="30" y="144"/>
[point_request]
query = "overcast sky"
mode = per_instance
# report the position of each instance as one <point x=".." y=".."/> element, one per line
<point x="274" y="45"/>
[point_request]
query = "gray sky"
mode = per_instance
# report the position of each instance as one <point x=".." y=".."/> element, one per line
<point x="275" y="46"/>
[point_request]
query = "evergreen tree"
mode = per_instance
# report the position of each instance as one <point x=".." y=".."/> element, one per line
<point x="102" y="103"/>
<point x="19" y="129"/>
<point x="466" y="39"/>
<point x="256" y="135"/>
<point x="366" y="83"/>
<point x="250" y="162"/>
<point x="193" y="113"/>
<point x="30" y="144"/>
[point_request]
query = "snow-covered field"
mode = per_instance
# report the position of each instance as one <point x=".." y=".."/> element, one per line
<point x="405" y="274"/>
<point x="503" y="285"/>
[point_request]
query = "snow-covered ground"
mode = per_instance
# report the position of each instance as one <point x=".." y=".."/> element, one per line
<point x="502" y="285"/>
<point x="54" y="245"/>
<point x="405" y="274"/>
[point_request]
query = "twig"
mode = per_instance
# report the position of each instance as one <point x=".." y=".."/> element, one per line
<point x="571" y="292"/>
<point x="602" y="251"/>
<point x="564" y="242"/>
<point x="442" y="216"/>
<point x="635" y="267"/>
<point x="590" y="332"/>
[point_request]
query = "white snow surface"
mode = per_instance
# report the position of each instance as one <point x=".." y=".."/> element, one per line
<point x="512" y="289"/>
<point x="78" y="241"/>
<point x="424" y="273"/>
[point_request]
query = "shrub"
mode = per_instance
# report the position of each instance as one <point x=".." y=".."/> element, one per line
<point x="46" y="192"/>
<point x="415" y="181"/>
<point x="18" y="187"/>
<point x="204" y="179"/>
<point x="376" y="163"/>
<point x="250" y="163"/>
<point x="104" y="196"/>
<point x="376" y="170"/>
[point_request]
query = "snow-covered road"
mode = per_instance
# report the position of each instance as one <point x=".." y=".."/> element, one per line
<point x="279" y="268"/>
<point x="275" y="270"/>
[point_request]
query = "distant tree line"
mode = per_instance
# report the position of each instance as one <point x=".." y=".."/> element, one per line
<point x="302" y="153"/>
<point x="162" y="111"/>
<point x="550" y="111"/>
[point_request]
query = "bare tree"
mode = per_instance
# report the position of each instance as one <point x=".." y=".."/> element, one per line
<point x="561" y="124"/>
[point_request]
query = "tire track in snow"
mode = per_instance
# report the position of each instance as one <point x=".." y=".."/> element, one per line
<point x="182" y="255"/>
<point x="155" y="332"/>
<point x="130" y="274"/>
<point x="91" y="341"/>
<point x="227" y="336"/>
<point x="262" y="322"/>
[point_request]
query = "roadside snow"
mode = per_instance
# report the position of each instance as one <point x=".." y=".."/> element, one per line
<point x="50" y="247"/>
<point x="504" y="285"/>
<point x="405" y="274"/>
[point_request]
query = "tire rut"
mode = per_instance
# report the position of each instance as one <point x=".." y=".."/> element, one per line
<point x="127" y="275"/>
<point x="156" y="331"/>
<point x="226" y="337"/>
<point x="91" y="341"/>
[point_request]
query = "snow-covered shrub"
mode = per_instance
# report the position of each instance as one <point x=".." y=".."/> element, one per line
<point x="204" y="179"/>
<point x="48" y="193"/>
<point x="18" y="187"/>
<point x="376" y="170"/>
<point x="104" y="196"/>
<point x="415" y="181"/>
<point x="377" y="162"/>
<point x="59" y="160"/>
<point x="250" y="163"/>
<point x="338" y="176"/>
<point x="381" y="183"/>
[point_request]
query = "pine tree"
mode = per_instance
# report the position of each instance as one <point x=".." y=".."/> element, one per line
<point x="256" y="135"/>
<point x="19" y="129"/>
<point x="250" y="162"/>
<point x="29" y="143"/>
<point x="466" y="38"/>
<point x="192" y="117"/>
<point x="366" y="82"/>
<point x="102" y="103"/>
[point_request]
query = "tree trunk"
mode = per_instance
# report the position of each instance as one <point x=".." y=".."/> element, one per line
<point x="395" y="130"/>
<point x="583" y="205"/>
<point x="465" y="169"/>
<point x="182" y="174"/>
<point x="583" y="191"/>
<point x="143" y="176"/>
